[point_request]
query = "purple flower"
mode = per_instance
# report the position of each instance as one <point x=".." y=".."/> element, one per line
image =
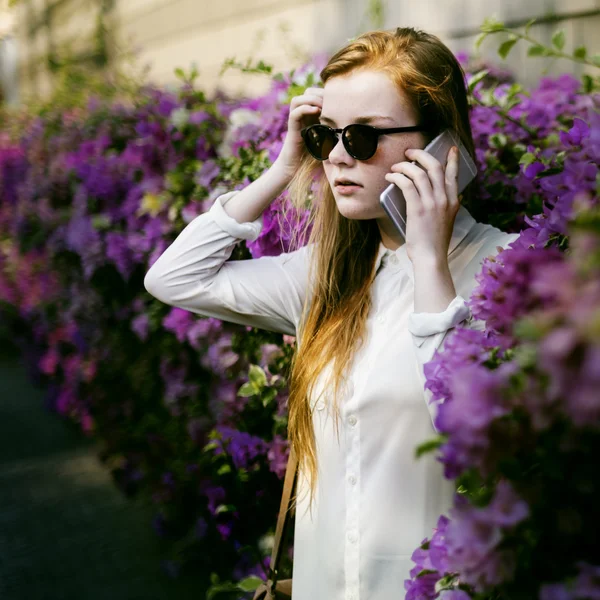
<point x="178" y="321"/>
<point x="555" y="591"/>
<point x="224" y="530"/>
<point x="268" y="353"/>
<point x="438" y="553"/>
<point x="140" y="326"/>
<point x="242" y="447"/>
<point x="587" y="583"/>
<point x="201" y="528"/>
<point x="198" y="428"/>
<point x="220" y="357"/>
<point x="476" y="400"/>
<point x="207" y="173"/>
<point x="117" y="250"/>
<point x="470" y="539"/>
<point x="203" y="331"/>
<point x="199" y="116"/>
<point x="421" y="588"/>
<point x="506" y="508"/>
<point x="278" y="455"/>
<point x="215" y="496"/>
<point x="576" y="134"/>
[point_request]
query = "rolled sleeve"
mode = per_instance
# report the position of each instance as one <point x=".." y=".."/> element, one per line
<point x="423" y="326"/>
<point x="243" y="231"/>
<point x="429" y="330"/>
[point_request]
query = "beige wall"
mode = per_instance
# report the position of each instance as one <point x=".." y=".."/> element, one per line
<point x="206" y="32"/>
<point x="177" y="33"/>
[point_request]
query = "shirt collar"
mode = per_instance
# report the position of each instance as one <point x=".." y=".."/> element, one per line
<point x="462" y="225"/>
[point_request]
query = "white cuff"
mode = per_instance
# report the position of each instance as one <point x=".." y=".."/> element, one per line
<point x="243" y="231"/>
<point x="423" y="325"/>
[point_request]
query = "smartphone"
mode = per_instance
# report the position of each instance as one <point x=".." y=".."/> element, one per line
<point x="392" y="199"/>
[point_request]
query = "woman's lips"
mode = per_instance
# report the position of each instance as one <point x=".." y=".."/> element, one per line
<point x="347" y="190"/>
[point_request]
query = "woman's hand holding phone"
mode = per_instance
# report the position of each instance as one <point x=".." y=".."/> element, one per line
<point x="304" y="110"/>
<point x="432" y="203"/>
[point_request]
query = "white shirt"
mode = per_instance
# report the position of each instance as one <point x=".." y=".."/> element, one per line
<point x="374" y="501"/>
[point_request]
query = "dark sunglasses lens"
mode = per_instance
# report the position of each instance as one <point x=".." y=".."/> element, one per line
<point x="360" y="141"/>
<point x="319" y="141"/>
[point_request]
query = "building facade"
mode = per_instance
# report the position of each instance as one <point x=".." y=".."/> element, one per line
<point x="170" y="34"/>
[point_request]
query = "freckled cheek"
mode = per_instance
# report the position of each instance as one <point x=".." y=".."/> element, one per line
<point x="391" y="156"/>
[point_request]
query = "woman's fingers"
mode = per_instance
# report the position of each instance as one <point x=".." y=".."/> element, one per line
<point x="433" y="169"/>
<point x="420" y="181"/>
<point x="406" y="185"/>
<point x="451" y="176"/>
<point x="309" y="99"/>
<point x="310" y="96"/>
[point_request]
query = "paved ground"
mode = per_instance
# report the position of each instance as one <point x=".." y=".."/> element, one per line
<point x="66" y="533"/>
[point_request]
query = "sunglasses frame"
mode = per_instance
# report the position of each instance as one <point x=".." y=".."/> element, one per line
<point x="376" y="131"/>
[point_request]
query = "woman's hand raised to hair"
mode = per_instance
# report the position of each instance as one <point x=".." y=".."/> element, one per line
<point x="304" y="110"/>
<point x="432" y="203"/>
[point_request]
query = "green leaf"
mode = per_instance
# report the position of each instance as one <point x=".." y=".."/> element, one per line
<point x="210" y="446"/>
<point x="444" y="582"/>
<point x="491" y="25"/>
<point x="221" y="588"/>
<point x="248" y="389"/>
<point x="429" y="446"/>
<point x="550" y="171"/>
<point x="257" y="376"/>
<point x="179" y="73"/>
<point x="426" y="572"/>
<point x="269" y="396"/>
<point x="477" y="77"/>
<point x="506" y="47"/>
<point x="101" y="222"/>
<point x="596" y="59"/>
<point x="479" y="39"/>
<point x="527" y="159"/>
<point x="580" y="52"/>
<point x="250" y="584"/>
<point x="498" y="140"/>
<point x="537" y="50"/>
<point x="223" y="508"/>
<point x="588" y="83"/>
<point x="528" y="26"/>
<point x="224" y="469"/>
<point x="558" y="39"/>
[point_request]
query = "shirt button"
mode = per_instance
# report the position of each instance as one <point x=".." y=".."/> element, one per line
<point x="352" y="537"/>
<point x="320" y="405"/>
<point x="394" y="259"/>
<point x="352" y="479"/>
<point x="352" y="420"/>
<point x="350" y="596"/>
<point x="380" y="319"/>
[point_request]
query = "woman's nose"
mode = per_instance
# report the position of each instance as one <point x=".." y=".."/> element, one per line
<point x="339" y="154"/>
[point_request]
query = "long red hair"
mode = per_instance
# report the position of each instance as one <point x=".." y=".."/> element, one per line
<point x="342" y="264"/>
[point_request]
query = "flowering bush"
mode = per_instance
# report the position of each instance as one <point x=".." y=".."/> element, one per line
<point x="518" y="408"/>
<point x="191" y="412"/>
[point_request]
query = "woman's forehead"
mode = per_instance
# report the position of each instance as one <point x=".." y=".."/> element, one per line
<point x="361" y="94"/>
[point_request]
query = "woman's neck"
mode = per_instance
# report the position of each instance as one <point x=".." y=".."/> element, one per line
<point x="390" y="237"/>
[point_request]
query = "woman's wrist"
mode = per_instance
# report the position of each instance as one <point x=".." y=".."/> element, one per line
<point x="252" y="201"/>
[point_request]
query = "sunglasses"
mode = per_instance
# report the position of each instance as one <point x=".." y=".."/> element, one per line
<point x="359" y="140"/>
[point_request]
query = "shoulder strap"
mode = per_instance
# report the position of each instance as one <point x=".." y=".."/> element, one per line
<point x="284" y="512"/>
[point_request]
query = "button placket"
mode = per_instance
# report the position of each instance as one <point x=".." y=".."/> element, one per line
<point x="352" y="545"/>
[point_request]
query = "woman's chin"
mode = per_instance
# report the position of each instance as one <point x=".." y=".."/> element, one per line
<point x="355" y="209"/>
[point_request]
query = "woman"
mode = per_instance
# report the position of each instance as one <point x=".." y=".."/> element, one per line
<point x="368" y="308"/>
